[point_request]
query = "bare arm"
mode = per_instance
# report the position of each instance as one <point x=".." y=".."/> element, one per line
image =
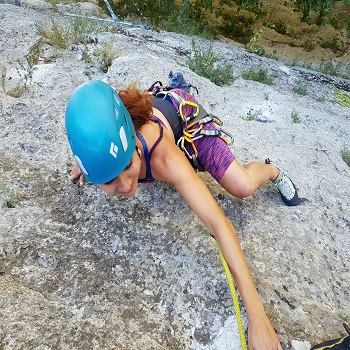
<point x="172" y="166"/>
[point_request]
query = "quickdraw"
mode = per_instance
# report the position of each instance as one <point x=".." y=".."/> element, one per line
<point x="182" y="103"/>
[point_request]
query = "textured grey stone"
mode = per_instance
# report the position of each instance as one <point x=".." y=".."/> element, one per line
<point x="81" y="270"/>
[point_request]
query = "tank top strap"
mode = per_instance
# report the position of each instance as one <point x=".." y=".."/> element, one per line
<point x="148" y="154"/>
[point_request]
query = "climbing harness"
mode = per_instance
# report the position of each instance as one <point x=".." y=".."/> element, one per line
<point x="195" y="131"/>
<point x="193" y="125"/>
<point x="235" y="300"/>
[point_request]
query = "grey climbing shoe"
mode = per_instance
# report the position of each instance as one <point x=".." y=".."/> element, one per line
<point x="285" y="187"/>
<point x="335" y="344"/>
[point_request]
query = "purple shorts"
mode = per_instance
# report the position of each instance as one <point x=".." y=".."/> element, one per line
<point x="213" y="153"/>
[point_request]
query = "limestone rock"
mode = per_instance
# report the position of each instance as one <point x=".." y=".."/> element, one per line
<point x="81" y="270"/>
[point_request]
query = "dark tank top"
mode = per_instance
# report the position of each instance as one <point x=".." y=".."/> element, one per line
<point x="171" y="115"/>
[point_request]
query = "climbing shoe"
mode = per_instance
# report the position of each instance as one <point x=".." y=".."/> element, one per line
<point x="335" y="344"/>
<point x="285" y="186"/>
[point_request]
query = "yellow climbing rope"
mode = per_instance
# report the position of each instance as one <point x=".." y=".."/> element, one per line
<point x="235" y="301"/>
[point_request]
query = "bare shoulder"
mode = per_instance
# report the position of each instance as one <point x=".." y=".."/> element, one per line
<point x="149" y="131"/>
<point x="168" y="163"/>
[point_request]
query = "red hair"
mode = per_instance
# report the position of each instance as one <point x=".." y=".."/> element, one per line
<point x="137" y="103"/>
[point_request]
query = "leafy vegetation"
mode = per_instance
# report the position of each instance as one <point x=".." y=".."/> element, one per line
<point x="244" y="21"/>
<point x="232" y="18"/>
<point x="80" y="31"/>
<point x="250" y="116"/>
<point x="300" y="90"/>
<point x="280" y="27"/>
<point x="309" y="45"/>
<point x="60" y="38"/>
<point x="322" y="8"/>
<point x="186" y="17"/>
<point x="205" y="65"/>
<point x="295" y="117"/>
<point x="253" y="45"/>
<point x="259" y="75"/>
<point x="9" y="201"/>
<point x="345" y="154"/>
<point x="335" y="68"/>
<point x="332" y="44"/>
<point x="237" y="27"/>
<point x="54" y="35"/>
<point x="105" y="55"/>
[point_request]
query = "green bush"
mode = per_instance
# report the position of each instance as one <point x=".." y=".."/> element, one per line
<point x="300" y="90"/>
<point x="295" y="117"/>
<point x="237" y="27"/>
<point x="253" y="44"/>
<point x="185" y="17"/>
<point x="79" y="31"/>
<point x="345" y="154"/>
<point x="322" y="8"/>
<point x="332" y="44"/>
<point x="260" y="76"/>
<point x="337" y="69"/>
<point x="189" y="19"/>
<point x="308" y="45"/>
<point x="337" y="23"/>
<point x="10" y="201"/>
<point x="59" y="36"/>
<point x="205" y="65"/>
<point x="250" y="116"/>
<point x="280" y="27"/>
<point x="105" y="55"/>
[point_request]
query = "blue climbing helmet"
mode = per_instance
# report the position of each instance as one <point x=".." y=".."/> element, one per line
<point x="100" y="131"/>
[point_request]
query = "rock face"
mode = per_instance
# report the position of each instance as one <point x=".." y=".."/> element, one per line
<point x="81" y="270"/>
